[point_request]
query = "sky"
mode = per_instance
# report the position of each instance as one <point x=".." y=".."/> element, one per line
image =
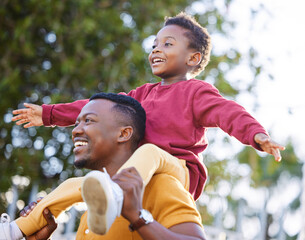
<point x="276" y="32"/>
<point x="278" y="35"/>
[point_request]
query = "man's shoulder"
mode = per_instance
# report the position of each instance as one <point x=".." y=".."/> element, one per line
<point x="169" y="202"/>
<point x="166" y="188"/>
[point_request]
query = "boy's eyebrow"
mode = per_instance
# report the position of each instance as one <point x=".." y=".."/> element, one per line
<point x="166" y="37"/>
<point x="170" y="37"/>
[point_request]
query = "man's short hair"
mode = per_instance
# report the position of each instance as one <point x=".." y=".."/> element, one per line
<point x="198" y="36"/>
<point x="131" y="110"/>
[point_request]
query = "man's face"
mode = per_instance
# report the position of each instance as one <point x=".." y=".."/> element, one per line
<point x="170" y="52"/>
<point x="95" y="135"/>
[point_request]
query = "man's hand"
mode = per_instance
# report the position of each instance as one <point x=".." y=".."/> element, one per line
<point x="32" y="115"/>
<point x="132" y="185"/>
<point x="46" y="231"/>
<point x="269" y="146"/>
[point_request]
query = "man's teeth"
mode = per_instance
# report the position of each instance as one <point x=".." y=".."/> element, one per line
<point x="78" y="144"/>
<point x="158" y="60"/>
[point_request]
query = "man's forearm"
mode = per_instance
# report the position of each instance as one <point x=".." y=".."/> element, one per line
<point x="184" y="231"/>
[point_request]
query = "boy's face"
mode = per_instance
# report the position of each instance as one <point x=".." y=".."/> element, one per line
<point x="170" y="54"/>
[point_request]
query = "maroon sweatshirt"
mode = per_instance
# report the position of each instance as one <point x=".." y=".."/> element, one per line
<point x="178" y="116"/>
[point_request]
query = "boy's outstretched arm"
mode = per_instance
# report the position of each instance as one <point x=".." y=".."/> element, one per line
<point x="269" y="146"/>
<point x="62" y="114"/>
<point x="31" y="115"/>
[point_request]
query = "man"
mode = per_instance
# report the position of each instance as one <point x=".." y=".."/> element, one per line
<point x="106" y="135"/>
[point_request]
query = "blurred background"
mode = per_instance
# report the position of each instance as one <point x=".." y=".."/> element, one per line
<point x="61" y="51"/>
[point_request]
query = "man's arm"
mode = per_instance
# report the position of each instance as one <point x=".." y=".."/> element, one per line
<point x="46" y="231"/>
<point x="132" y="185"/>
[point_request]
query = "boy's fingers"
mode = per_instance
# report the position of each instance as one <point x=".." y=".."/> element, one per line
<point x="30" y="105"/>
<point x="20" y="111"/>
<point x="21" y="121"/>
<point x="277" y="155"/>
<point x="19" y="116"/>
<point x="28" y="125"/>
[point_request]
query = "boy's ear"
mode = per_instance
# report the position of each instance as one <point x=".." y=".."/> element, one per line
<point x="194" y="59"/>
<point x="125" y="134"/>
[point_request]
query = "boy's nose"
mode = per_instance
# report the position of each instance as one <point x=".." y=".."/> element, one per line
<point x="156" y="50"/>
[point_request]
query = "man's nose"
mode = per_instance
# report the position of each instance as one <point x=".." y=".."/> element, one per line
<point x="77" y="129"/>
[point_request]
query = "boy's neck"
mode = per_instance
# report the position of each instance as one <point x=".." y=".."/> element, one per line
<point x="169" y="81"/>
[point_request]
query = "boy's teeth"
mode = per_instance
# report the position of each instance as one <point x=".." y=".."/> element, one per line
<point x="158" y="60"/>
<point x="78" y="143"/>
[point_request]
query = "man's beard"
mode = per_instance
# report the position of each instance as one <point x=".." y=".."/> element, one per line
<point x="80" y="164"/>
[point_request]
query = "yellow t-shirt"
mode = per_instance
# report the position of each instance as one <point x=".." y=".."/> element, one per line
<point x="164" y="197"/>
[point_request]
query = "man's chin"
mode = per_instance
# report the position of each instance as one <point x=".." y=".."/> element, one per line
<point x="80" y="164"/>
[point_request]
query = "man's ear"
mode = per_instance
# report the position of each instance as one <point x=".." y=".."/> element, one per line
<point x="125" y="134"/>
<point x="194" y="59"/>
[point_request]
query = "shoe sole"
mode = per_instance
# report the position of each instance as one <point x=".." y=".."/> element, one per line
<point x="96" y="200"/>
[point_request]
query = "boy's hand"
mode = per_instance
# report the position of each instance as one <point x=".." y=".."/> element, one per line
<point x="32" y="115"/>
<point x="28" y="209"/>
<point x="269" y="146"/>
<point x="46" y="231"/>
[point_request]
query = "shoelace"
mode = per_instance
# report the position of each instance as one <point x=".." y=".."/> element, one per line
<point x="118" y="193"/>
<point x="5" y="218"/>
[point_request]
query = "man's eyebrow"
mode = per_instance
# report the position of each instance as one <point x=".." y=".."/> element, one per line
<point x="85" y="115"/>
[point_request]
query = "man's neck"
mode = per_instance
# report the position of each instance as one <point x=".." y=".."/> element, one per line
<point x="117" y="161"/>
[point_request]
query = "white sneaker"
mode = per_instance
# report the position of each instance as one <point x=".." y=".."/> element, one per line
<point x="104" y="199"/>
<point x="5" y="230"/>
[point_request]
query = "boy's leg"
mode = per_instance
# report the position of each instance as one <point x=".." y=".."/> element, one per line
<point x="61" y="198"/>
<point x="150" y="159"/>
<point x="104" y="199"/>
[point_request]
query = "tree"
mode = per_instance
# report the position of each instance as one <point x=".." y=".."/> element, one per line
<point x="62" y="51"/>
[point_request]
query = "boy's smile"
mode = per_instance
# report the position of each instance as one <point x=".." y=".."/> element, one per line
<point x="170" y="54"/>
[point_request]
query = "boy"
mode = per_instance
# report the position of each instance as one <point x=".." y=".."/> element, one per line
<point x="179" y="109"/>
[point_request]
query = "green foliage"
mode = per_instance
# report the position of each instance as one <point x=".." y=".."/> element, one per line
<point x="61" y="51"/>
<point x="265" y="171"/>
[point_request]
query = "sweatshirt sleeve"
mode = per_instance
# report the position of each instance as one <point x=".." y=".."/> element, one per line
<point x="212" y="110"/>
<point x="63" y="114"/>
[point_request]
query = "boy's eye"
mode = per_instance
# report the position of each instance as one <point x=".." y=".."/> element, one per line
<point x="168" y="44"/>
<point x="153" y="46"/>
<point x="88" y="120"/>
<point x="76" y="124"/>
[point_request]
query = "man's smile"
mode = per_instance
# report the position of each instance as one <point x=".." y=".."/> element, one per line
<point x="79" y="144"/>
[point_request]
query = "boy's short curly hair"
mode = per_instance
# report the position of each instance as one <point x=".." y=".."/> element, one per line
<point x="199" y="38"/>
